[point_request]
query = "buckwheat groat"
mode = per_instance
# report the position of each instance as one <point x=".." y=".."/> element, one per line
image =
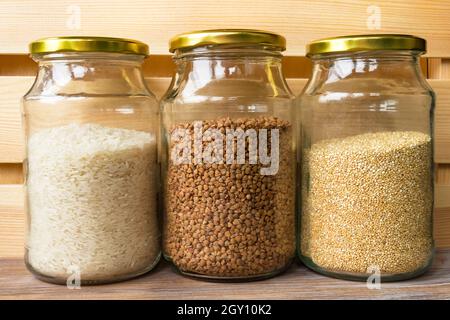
<point x="229" y="220"/>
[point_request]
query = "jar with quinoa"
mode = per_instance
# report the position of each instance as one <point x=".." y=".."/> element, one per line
<point x="92" y="131"/>
<point x="366" y="155"/>
<point x="228" y="157"/>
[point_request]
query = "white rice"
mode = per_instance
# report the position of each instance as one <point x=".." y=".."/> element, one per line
<point x="92" y="202"/>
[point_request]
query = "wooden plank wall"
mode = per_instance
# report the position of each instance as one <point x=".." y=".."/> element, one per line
<point x="439" y="68"/>
<point x="156" y="21"/>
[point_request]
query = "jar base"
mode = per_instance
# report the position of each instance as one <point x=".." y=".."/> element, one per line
<point x="351" y="276"/>
<point x="61" y="281"/>
<point x="208" y="278"/>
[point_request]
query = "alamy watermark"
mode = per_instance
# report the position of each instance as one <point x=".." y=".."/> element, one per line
<point x="374" y="280"/>
<point x="213" y="146"/>
<point x="374" y="19"/>
<point x="74" y="278"/>
<point x="73" y="21"/>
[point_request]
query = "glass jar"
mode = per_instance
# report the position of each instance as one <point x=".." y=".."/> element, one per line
<point x="228" y="157"/>
<point x="367" y="162"/>
<point x="91" y="128"/>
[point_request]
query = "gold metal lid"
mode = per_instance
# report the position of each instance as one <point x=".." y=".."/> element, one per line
<point x="226" y="36"/>
<point x="367" y="42"/>
<point x="88" y="44"/>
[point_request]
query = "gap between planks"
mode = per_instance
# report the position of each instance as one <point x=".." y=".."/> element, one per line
<point x="11" y="173"/>
<point x="155" y="66"/>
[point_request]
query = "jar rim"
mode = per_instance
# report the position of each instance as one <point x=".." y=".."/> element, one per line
<point x="366" y="42"/>
<point x="243" y="37"/>
<point x="88" y="44"/>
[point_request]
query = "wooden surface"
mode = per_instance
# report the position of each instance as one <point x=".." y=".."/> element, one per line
<point x="443" y="174"/>
<point x="442" y="120"/>
<point x="163" y="283"/>
<point x="156" y="21"/>
<point x="442" y="226"/>
<point x="12" y="221"/>
<point x="438" y="68"/>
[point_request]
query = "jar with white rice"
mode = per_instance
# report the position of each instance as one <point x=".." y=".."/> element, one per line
<point x="91" y="130"/>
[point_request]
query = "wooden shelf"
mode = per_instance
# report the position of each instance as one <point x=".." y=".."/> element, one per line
<point x="162" y="283"/>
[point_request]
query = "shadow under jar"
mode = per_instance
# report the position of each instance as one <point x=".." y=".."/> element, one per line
<point x="367" y="159"/>
<point x="228" y="160"/>
<point x="91" y="128"/>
